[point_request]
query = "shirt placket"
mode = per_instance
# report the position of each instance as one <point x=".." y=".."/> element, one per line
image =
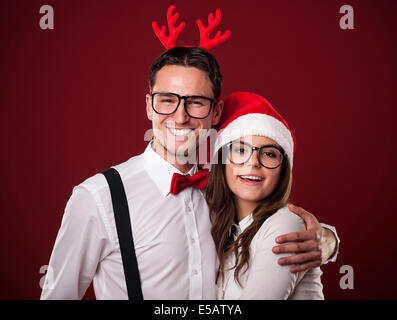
<point x="195" y="270"/>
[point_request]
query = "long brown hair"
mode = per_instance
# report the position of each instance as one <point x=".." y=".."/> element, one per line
<point x="222" y="208"/>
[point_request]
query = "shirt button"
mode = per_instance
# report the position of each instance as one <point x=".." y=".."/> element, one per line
<point x="194" y="272"/>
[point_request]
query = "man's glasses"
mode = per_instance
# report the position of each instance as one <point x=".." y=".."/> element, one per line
<point x="167" y="103"/>
<point x="269" y="156"/>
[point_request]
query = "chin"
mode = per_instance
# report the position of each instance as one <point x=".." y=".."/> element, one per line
<point x="254" y="197"/>
<point x="249" y="197"/>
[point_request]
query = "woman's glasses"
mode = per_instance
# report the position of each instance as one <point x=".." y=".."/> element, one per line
<point x="269" y="156"/>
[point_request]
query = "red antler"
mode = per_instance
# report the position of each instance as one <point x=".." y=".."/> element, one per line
<point x="169" y="42"/>
<point x="205" y="41"/>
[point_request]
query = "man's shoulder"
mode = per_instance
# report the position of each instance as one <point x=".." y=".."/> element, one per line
<point x="97" y="183"/>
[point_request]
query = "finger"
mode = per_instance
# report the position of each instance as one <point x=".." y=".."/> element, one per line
<point x="305" y="215"/>
<point x="297" y="236"/>
<point x="309" y="245"/>
<point x="295" y="209"/>
<point x="300" y="258"/>
<point x="306" y="266"/>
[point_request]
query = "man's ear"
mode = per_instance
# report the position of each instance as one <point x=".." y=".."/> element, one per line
<point x="149" y="110"/>
<point x="217" y="113"/>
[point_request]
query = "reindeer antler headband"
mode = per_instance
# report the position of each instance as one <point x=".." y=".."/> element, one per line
<point x="205" y="41"/>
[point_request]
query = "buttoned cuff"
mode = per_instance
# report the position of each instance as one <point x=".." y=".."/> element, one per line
<point x="332" y="258"/>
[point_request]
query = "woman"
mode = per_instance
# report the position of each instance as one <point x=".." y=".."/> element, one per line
<point x="247" y="194"/>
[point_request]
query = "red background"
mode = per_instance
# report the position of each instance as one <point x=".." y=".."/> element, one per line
<point x="73" y="103"/>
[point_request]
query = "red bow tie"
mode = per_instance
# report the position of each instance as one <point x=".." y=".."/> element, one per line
<point x="180" y="182"/>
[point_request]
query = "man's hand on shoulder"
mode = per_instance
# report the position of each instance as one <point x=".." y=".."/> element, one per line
<point x="312" y="247"/>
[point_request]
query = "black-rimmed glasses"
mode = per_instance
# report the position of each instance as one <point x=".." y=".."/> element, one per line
<point x="167" y="103"/>
<point x="269" y="156"/>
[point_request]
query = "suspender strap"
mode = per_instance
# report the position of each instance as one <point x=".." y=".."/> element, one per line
<point x="124" y="232"/>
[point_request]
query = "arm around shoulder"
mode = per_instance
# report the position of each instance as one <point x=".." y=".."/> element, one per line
<point x="331" y="242"/>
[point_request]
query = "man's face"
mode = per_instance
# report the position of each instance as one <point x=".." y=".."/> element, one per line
<point x="178" y="133"/>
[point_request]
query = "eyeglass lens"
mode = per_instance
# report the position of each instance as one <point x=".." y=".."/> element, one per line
<point x="269" y="157"/>
<point x="166" y="103"/>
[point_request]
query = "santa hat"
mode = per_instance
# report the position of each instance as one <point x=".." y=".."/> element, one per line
<point x="246" y="114"/>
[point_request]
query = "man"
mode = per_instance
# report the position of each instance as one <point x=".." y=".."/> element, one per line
<point x="174" y="248"/>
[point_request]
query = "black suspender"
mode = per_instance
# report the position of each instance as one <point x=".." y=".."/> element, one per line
<point x="124" y="232"/>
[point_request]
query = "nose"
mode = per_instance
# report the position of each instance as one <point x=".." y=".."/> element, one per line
<point x="180" y="114"/>
<point x="253" y="161"/>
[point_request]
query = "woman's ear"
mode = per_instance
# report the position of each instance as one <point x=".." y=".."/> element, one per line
<point x="149" y="110"/>
<point x="217" y="113"/>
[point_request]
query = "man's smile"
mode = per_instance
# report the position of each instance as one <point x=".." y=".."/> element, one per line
<point x="180" y="133"/>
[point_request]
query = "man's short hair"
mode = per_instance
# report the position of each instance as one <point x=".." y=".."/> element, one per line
<point x="189" y="57"/>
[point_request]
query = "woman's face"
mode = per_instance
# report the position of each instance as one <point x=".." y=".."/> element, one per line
<point x="251" y="181"/>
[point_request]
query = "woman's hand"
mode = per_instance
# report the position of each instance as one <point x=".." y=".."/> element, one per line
<point x="313" y="247"/>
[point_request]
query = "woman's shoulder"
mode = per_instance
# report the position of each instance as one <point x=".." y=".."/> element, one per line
<point x="281" y="222"/>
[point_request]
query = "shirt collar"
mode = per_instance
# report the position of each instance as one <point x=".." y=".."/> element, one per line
<point x="238" y="228"/>
<point x="160" y="170"/>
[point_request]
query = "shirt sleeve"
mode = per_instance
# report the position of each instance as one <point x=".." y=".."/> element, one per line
<point x="332" y="258"/>
<point x="268" y="280"/>
<point x="82" y="242"/>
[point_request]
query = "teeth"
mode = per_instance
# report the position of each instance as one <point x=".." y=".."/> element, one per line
<point x="251" y="178"/>
<point x="180" y="132"/>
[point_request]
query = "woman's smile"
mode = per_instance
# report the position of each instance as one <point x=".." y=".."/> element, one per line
<point x="251" y="179"/>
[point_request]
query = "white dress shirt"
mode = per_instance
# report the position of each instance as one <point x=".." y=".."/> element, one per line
<point x="265" y="278"/>
<point x="174" y="247"/>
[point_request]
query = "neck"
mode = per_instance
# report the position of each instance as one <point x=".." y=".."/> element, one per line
<point x="184" y="168"/>
<point x="244" y="208"/>
<point x="178" y="162"/>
